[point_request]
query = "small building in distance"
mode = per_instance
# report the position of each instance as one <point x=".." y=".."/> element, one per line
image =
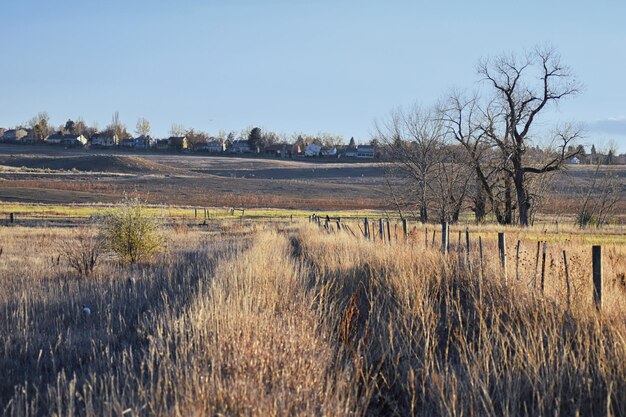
<point x="104" y="140"/>
<point x="365" y="151"/>
<point x="162" y="144"/>
<point x="277" y="149"/>
<point x="14" y="135"/>
<point x="240" y="146"/>
<point x="351" y="152"/>
<point x="66" y="140"/>
<point x="127" y="143"/>
<point x="215" y="146"/>
<point x="327" y="151"/>
<point x="312" y="149"/>
<point x="142" y="142"/>
<point x="178" y="143"/>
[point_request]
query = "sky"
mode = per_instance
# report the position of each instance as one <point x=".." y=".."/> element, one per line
<point x="294" y="66"/>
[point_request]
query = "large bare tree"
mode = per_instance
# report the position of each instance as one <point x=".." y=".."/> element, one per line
<point x="413" y="140"/>
<point x="523" y="88"/>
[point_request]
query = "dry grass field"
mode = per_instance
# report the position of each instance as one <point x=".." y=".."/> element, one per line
<point x="285" y="318"/>
<point x="52" y="176"/>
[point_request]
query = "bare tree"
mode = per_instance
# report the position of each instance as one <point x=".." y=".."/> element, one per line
<point x="116" y="127"/>
<point x="523" y="88"/>
<point x="143" y="128"/>
<point x="464" y="121"/>
<point x="40" y="125"/>
<point x="450" y="184"/>
<point x="601" y="200"/>
<point x="413" y="141"/>
<point x="177" y="130"/>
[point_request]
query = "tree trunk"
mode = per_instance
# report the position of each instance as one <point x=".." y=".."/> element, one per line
<point x="508" y="201"/>
<point x="522" y="197"/>
<point x="423" y="207"/>
<point x="479" y="202"/>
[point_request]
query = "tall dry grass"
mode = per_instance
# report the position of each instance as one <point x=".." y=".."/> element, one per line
<point x="280" y="319"/>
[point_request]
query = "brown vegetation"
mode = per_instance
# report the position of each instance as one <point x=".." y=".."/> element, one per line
<point x="287" y="319"/>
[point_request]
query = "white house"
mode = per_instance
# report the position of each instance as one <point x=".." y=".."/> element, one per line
<point x="14" y="134"/>
<point x="104" y="140"/>
<point x="66" y="140"/>
<point x="574" y="161"/>
<point x="351" y="152"/>
<point x="240" y="146"/>
<point x="365" y="151"/>
<point x="329" y="151"/>
<point x="215" y="146"/>
<point x="312" y="149"/>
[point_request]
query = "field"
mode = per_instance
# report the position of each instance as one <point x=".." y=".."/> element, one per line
<point x="280" y="317"/>
<point x="264" y="312"/>
<point x="43" y="175"/>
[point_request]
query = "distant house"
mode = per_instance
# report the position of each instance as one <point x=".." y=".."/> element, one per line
<point x="296" y="150"/>
<point x="240" y="146"/>
<point x="215" y="146"/>
<point x="178" y="143"/>
<point x="142" y="142"/>
<point x="13" y="135"/>
<point x="365" y="151"/>
<point x="351" y="152"/>
<point x="31" y="137"/>
<point x="127" y="143"/>
<point x="104" y="140"/>
<point x="574" y="161"/>
<point x="329" y="151"/>
<point x="66" y="140"/>
<point x="162" y="144"/>
<point x="312" y="149"/>
<point x="277" y="149"/>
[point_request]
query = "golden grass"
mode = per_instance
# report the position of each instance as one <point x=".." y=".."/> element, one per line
<point x="281" y="318"/>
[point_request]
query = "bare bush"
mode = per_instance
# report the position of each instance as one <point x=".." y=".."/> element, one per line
<point x="83" y="250"/>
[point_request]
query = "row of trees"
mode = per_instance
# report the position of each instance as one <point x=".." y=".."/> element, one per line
<point x="476" y="148"/>
<point x="40" y="125"/>
<point x="256" y="137"/>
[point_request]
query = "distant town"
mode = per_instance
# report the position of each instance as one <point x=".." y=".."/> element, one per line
<point x="250" y="142"/>
<point x="253" y="142"/>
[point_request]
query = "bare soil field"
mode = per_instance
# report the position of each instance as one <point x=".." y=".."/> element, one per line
<point x="71" y="175"/>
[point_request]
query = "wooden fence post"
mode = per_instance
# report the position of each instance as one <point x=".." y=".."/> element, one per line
<point x="502" y="251"/>
<point x="536" y="265"/>
<point x="517" y="260"/>
<point x="11" y="217"/>
<point x="596" y="254"/>
<point x="388" y="232"/>
<point x="381" y="229"/>
<point x="444" y="237"/>
<point x="567" y="284"/>
<point x="480" y="251"/>
<point x="366" y="227"/>
<point x="543" y="266"/>
<point x="404" y="229"/>
<point x="458" y="248"/>
<point x="467" y="245"/>
<point x="426" y="238"/>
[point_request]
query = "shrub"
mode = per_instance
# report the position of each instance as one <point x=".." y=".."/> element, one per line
<point x="132" y="234"/>
<point x="82" y="252"/>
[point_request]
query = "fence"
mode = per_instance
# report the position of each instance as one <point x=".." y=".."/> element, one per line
<point x="464" y="250"/>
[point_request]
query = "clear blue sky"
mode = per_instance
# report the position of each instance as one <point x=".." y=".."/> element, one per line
<point x="308" y="66"/>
